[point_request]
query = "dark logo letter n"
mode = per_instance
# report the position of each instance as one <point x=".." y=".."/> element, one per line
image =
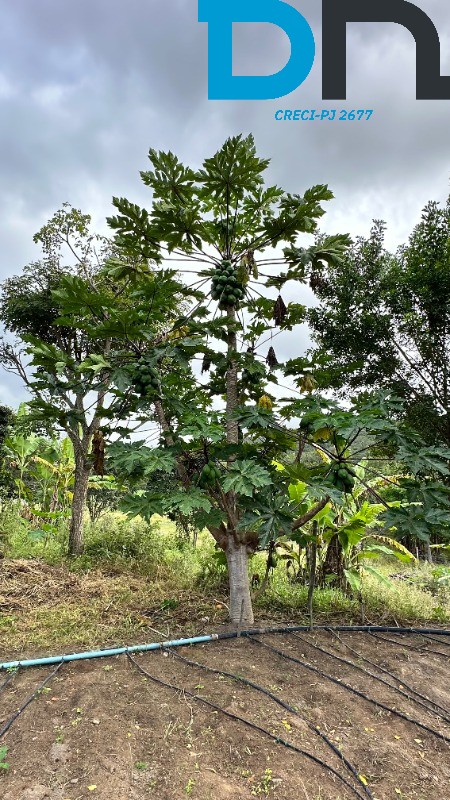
<point x="431" y="85"/>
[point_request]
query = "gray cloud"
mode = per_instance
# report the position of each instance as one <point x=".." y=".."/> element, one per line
<point x="87" y="87"/>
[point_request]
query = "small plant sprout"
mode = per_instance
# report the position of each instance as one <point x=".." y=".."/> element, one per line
<point x="265" y="785"/>
<point x="3" y="763"/>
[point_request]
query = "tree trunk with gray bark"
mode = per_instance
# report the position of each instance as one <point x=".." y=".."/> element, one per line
<point x="241" y="612"/>
<point x="76" y="539"/>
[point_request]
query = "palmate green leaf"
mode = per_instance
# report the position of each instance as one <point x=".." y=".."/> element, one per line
<point x="201" y="426"/>
<point x="179" y="226"/>
<point x="133" y="458"/>
<point x="295" y="315"/>
<point x="426" y="492"/>
<point x="331" y="250"/>
<point x="407" y="521"/>
<point x="134" y="231"/>
<point x="298" y="493"/>
<point x="425" y="460"/>
<point x="142" y="504"/>
<point x="251" y="417"/>
<point x="46" y="354"/>
<point x="262" y="309"/>
<point x="94" y="364"/>
<point x="297" y="214"/>
<point x="207" y="519"/>
<point x="185" y="502"/>
<point x="169" y="179"/>
<point x="261" y="203"/>
<point x="437" y="516"/>
<point x="234" y="171"/>
<point x="244" y="477"/>
<point x="271" y="515"/>
<point x="76" y="296"/>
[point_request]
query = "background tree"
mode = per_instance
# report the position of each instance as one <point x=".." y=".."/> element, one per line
<point x="63" y="366"/>
<point x="7" y="418"/>
<point x="383" y="321"/>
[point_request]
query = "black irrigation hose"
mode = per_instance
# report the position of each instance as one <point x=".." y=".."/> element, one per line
<point x="30" y="699"/>
<point x="343" y="685"/>
<point x="401" y="643"/>
<point x="387" y="672"/>
<point x="287" y="707"/>
<point x="343" y="628"/>
<point x="357" y="667"/>
<point x="249" y="724"/>
<point x="8" y="680"/>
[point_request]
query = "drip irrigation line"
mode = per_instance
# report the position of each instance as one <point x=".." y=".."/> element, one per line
<point x="29" y="700"/>
<point x="387" y="672"/>
<point x="357" y="667"/>
<point x="432" y="639"/>
<point x="346" y="686"/>
<point x="286" y="706"/>
<point x="8" y="680"/>
<point x="401" y="643"/>
<point x="249" y="724"/>
<point x="117" y="651"/>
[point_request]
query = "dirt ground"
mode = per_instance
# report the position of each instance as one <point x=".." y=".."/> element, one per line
<point x="101" y="730"/>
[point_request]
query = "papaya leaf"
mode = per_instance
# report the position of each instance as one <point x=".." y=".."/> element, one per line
<point x="244" y="477"/>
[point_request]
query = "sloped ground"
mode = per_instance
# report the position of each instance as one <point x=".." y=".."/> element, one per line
<point x="101" y="729"/>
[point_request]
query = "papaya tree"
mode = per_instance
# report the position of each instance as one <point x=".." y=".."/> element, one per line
<point x="213" y="234"/>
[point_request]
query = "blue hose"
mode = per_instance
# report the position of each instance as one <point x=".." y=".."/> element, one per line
<point x="117" y="651"/>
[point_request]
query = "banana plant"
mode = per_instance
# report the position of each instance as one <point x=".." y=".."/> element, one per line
<point x="355" y="523"/>
<point x="53" y="471"/>
<point x="20" y="450"/>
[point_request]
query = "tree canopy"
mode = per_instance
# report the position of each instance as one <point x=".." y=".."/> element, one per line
<point x="383" y="321"/>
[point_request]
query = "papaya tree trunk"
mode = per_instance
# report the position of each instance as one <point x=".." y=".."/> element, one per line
<point x="81" y="478"/>
<point x="241" y="611"/>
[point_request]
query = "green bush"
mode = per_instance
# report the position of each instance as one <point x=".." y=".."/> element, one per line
<point x="114" y="538"/>
<point x="213" y="574"/>
<point x="20" y="539"/>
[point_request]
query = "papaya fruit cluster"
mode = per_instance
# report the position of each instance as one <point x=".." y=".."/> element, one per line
<point x="343" y="477"/>
<point x="146" y="380"/>
<point x="226" y="288"/>
<point x="208" y="476"/>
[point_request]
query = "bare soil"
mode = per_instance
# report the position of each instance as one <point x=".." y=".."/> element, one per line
<point x="102" y="730"/>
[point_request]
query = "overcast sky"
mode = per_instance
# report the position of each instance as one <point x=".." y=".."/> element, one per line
<point x="88" y="86"/>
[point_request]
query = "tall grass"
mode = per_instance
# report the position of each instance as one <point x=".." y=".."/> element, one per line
<point x="116" y="545"/>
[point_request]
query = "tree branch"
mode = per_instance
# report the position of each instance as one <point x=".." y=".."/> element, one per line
<point x="301" y="521"/>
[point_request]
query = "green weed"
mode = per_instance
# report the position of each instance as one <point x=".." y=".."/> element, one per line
<point x="3" y="762"/>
